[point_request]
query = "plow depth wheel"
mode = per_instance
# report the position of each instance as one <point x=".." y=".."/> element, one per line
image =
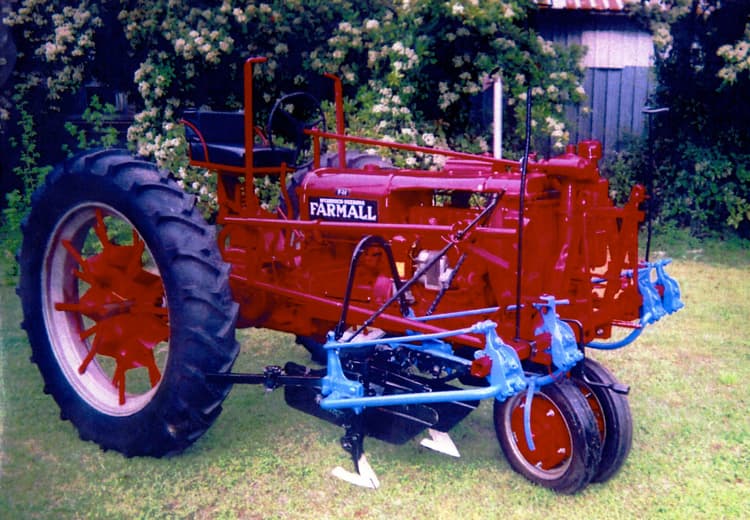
<point x="126" y="303"/>
<point x="613" y="418"/>
<point x="564" y="433"/>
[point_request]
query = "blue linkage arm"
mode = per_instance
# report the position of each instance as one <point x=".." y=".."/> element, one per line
<point x="671" y="299"/>
<point x="563" y="346"/>
<point x="506" y="377"/>
<point x="652" y="309"/>
<point x="656" y="304"/>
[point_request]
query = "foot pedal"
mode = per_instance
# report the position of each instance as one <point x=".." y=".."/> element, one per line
<point x="440" y="442"/>
<point x="365" y="477"/>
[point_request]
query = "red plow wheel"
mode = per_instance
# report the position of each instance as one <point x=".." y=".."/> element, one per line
<point x="127" y="304"/>
<point x="564" y="432"/>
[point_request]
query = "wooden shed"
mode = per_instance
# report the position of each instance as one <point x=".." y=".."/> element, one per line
<point x="618" y="62"/>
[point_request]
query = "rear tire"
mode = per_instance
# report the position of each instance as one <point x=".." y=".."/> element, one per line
<point x="126" y="304"/>
<point x="564" y="431"/>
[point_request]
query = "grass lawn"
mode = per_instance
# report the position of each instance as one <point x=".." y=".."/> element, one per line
<point x="690" y="399"/>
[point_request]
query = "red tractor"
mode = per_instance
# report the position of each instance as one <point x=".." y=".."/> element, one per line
<point x="418" y="293"/>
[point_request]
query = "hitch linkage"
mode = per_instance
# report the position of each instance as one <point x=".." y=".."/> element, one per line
<point x="660" y="296"/>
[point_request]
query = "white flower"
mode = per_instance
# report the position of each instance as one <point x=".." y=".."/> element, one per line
<point x="428" y="139"/>
<point x="457" y="9"/>
<point x="239" y="15"/>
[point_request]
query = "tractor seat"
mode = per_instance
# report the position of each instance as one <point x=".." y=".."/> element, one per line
<point x="219" y="138"/>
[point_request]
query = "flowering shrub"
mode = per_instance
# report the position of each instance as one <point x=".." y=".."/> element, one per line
<point x="412" y="69"/>
<point x="61" y="38"/>
<point x="427" y="61"/>
<point x="701" y="144"/>
<point x="736" y="58"/>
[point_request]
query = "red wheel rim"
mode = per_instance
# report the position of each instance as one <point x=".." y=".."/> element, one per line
<point x="549" y="431"/>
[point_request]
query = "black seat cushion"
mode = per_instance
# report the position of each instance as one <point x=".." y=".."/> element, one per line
<point x="224" y="136"/>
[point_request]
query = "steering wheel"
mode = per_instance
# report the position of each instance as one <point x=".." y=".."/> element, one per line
<point x="290" y="116"/>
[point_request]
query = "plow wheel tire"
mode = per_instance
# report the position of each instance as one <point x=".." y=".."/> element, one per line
<point x="564" y="432"/>
<point x="126" y="303"/>
<point x="613" y="417"/>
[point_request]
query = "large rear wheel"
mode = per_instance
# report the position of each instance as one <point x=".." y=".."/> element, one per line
<point x="126" y="304"/>
<point x="564" y="435"/>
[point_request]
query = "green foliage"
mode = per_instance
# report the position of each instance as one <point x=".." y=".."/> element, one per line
<point x="55" y="43"/>
<point x="626" y="168"/>
<point x="702" y="143"/>
<point x="702" y="188"/>
<point x="97" y="117"/>
<point x="709" y="188"/>
<point x="18" y="201"/>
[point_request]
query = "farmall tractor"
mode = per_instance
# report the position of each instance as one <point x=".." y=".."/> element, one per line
<point x="418" y="293"/>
